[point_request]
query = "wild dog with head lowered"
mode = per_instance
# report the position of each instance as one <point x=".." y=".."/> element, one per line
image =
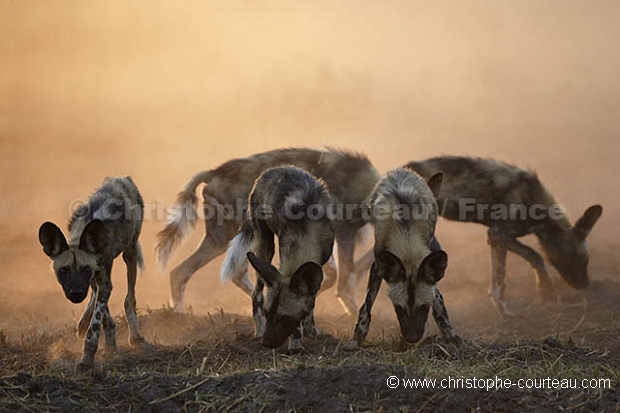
<point x="513" y="202"/>
<point x="407" y="256"/>
<point x="291" y="204"/>
<point x="107" y="225"/>
<point x="349" y="177"/>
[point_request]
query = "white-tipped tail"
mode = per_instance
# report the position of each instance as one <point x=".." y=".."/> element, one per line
<point x="236" y="261"/>
<point x="181" y="219"/>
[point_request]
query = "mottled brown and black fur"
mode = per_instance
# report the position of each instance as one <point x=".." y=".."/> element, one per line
<point x="406" y="256"/>
<point x="349" y="177"/>
<point x="107" y="225"/>
<point x="291" y="204"/>
<point x="512" y="202"/>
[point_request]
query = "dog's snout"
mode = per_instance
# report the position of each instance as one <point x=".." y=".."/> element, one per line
<point x="76" y="296"/>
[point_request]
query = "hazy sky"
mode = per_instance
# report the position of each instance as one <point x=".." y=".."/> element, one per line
<point x="161" y="90"/>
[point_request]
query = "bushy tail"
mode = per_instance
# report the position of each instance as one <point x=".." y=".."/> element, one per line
<point x="181" y="219"/>
<point x="236" y="260"/>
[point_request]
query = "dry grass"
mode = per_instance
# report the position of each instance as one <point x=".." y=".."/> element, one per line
<point x="210" y="363"/>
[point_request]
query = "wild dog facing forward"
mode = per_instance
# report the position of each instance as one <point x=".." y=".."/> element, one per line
<point x="407" y="256"/>
<point x="285" y="202"/>
<point x="349" y="177"/>
<point x="512" y="202"/>
<point x="106" y="225"/>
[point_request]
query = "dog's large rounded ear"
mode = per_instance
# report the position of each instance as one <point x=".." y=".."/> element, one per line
<point x="433" y="267"/>
<point x="265" y="270"/>
<point x="434" y="183"/>
<point x="307" y="279"/>
<point x="584" y="225"/>
<point x="390" y="267"/>
<point x="94" y="237"/>
<point x="52" y="239"/>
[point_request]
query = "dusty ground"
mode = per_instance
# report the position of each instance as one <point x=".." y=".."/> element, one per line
<point x="99" y="89"/>
<point x="211" y="363"/>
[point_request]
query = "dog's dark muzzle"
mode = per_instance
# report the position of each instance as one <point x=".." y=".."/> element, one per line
<point x="576" y="277"/>
<point x="76" y="297"/>
<point x="411" y="327"/>
<point x="277" y="331"/>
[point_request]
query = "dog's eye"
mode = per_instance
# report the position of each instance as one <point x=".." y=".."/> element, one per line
<point x="87" y="271"/>
<point x="63" y="272"/>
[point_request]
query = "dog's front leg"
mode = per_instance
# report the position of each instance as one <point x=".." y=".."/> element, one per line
<point x="88" y="312"/>
<point x="258" y="311"/>
<point x="363" y="320"/>
<point x="440" y="314"/>
<point x="309" y="327"/>
<point x="100" y="312"/>
<point x="294" y="343"/>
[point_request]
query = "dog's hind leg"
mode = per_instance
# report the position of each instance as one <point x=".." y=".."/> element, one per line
<point x="242" y="280"/>
<point x="498" y="273"/>
<point x="130" y="256"/>
<point x="330" y="273"/>
<point x="362" y="265"/>
<point x="347" y="281"/>
<point x="213" y="244"/>
<point x="543" y="282"/>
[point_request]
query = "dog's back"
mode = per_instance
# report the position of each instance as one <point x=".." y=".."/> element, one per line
<point x="291" y="204"/>
<point x="404" y="215"/>
<point x="298" y="205"/>
<point x="119" y="205"/>
<point x="479" y="181"/>
<point x="233" y="180"/>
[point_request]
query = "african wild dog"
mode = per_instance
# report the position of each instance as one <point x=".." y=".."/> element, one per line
<point x="349" y="177"/>
<point x="512" y="202"/>
<point x="407" y="256"/>
<point x="99" y="230"/>
<point x="291" y="204"/>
